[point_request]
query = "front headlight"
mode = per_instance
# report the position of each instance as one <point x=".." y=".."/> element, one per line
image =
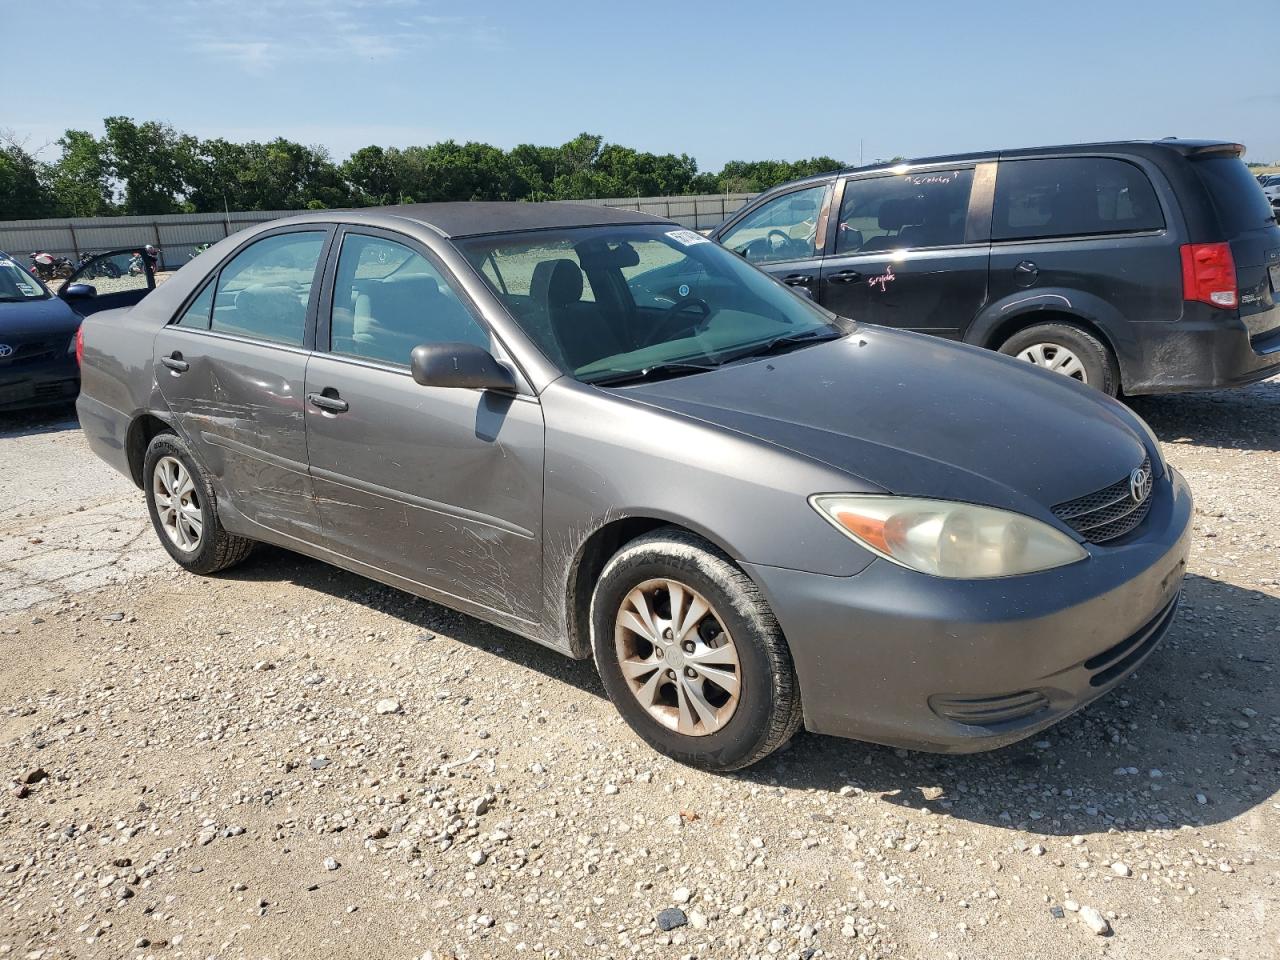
<point x="959" y="541"/>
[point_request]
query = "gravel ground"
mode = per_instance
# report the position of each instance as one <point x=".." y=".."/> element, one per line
<point x="290" y="761"/>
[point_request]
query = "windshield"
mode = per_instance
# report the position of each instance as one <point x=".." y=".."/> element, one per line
<point x="17" y="284"/>
<point x="607" y="303"/>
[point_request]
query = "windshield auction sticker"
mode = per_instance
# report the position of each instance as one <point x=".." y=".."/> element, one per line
<point x="686" y="238"/>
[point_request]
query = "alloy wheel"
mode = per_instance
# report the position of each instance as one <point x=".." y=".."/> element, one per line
<point x="177" y="504"/>
<point x="1055" y="357"/>
<point x="677" y="657"/>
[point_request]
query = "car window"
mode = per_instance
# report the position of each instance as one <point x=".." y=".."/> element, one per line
<point x="1072" y="196"/>
<point x="388" y="299"/>
<point x="1241" y="206"/>
<point x="910" y="210"/>
<point x="263" y="292"/>
<point x="784" y="228"/>
<point x="114" y="273"/>
<point x="196" y="316"/>
<point x="16" y="284"/>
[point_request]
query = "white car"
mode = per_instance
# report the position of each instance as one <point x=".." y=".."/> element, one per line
<point x="1271" y="187"/>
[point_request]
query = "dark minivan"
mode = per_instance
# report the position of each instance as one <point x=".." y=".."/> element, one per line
<point x="1142" y="267"/>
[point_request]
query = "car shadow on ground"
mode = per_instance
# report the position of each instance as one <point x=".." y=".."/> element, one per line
<point x="27" y="423"/>
<point x="1247" y="418"/>
<point x="1180" y="715"/>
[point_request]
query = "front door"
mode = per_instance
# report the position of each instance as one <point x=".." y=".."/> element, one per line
<point x="783" y="236"/>
<point x="232" y="367"/>
<point x="117" y="279"/>
<point x="906" y="252"/>
<point x="439" y="487"/>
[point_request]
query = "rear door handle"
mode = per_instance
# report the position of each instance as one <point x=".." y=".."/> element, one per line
<point x="332" y="404"/>
<point x="797" y="279"/>
<point x="175" y="362"/>
<point x="845" y="276"/>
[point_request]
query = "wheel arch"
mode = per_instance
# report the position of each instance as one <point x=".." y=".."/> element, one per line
<point x="595" y="551"/>
<point x="142" y="430"/>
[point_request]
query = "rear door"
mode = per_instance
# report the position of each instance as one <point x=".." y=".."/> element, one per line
<point x="232" y="368"/>
<point x="783" y="235"/>
<point x="441" y="487"/>
<point x="119" y="278"/>
<point x="907" y="251"/>
<point x="1082" y="224"/>
<point x="1249" y="225"/>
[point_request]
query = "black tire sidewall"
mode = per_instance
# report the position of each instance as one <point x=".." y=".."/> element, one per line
<point x="197" y="561"/>
<point x="1099" y="365"/>
<point x="738" y="741"/>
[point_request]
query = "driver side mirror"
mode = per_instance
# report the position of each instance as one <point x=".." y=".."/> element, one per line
<point x="80" y="291"/>
<point x="459" y="365"/>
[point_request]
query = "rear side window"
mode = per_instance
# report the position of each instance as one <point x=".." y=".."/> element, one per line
<point x="263" y="292"/>
<point x="1236" y="195"/>
<point x="1072" y="196"/>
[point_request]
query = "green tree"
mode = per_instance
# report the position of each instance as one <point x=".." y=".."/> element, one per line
<point x="23" y="193"/>
<point x="148" y="158"/>
<point x="80" y="180"/>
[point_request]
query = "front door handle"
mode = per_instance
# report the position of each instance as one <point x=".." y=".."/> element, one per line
<point x="175" y="363"/>
<point x="845" y="276"/>
<point x="797" y="279"/>
<point x="328" y="401"/>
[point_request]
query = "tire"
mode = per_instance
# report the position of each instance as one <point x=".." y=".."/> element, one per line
<point x="1053" y="342"/>
<point x="738" y="730"/>
<point x="207" y="550"/>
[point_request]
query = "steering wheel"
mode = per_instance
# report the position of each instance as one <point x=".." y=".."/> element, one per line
<point x="673" y="314"/>
<point x="784" y="245"/>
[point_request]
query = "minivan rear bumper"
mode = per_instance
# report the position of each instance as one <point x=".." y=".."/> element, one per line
<point x="1205" y="350"/>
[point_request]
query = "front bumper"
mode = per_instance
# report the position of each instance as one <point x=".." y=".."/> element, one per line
<point x="908" y="660"/>
<point x="41" y="383"/>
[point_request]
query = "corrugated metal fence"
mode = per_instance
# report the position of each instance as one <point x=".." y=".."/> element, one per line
<point x="177" y="235"/>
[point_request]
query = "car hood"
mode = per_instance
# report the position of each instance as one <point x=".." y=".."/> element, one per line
<point x="919" y="416"/>
<point x="36" y="318"/>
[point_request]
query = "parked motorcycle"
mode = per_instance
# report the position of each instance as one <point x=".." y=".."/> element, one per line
<point x="103" y="268"/>
<point x="48" y="267"/>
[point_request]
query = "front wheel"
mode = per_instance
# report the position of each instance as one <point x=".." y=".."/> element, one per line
<point x="1069" y="351"/>
<point x="184" y="511"/>
<point x="691" y="655"/>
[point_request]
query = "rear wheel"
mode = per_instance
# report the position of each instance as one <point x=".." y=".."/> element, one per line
<point x="184" y="511"/>
<point x="1069" y="351"/>
<point x="691" y="655"/>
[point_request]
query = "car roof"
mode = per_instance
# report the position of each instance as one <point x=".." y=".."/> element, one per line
<point x="1142" y="147"/>
<point x="477" y="218"/>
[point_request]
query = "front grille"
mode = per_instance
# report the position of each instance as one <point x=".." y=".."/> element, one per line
<point x="987" y="711"/>
<point x="1106" y="514"/>
<point x="32" y="351"/>
<point x="1114" y="663"/>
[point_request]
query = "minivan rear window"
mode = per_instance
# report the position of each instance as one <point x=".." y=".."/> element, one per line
<point x="1072" y="196"/>
<point x="1237" y="196"/>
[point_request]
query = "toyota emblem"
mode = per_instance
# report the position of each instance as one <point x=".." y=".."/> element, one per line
<point x="1140" y="484"/>
<point x="5" y="350"/>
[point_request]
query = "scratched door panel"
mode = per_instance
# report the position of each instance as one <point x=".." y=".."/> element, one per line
<point x="903" y="254"/>
<point x="439" y="486"/>
<point x="239" y="405"/>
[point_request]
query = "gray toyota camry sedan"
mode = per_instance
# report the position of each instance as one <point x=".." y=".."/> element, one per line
<point x="607" y="434"/>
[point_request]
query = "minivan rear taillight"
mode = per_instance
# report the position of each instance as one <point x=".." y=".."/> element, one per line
<point x="1209" y="274"/>
<point x="80" y="345"/>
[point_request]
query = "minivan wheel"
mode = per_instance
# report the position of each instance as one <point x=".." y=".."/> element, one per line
<point x="1067" y="350"/>
<point x="691" y="655"/>
<point x="184" y="510"/>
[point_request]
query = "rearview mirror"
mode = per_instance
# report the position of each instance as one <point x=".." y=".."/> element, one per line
<point x="459" y="365"/>
<point x="80" y="291"/>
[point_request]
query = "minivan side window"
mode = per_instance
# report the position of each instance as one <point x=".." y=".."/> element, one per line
<point x="906" y="211"/>
<point x="263" y="292"/>
<point x="784" y="228"/>
<point x="1072" y="196"/>
<point x="388" y="299"/>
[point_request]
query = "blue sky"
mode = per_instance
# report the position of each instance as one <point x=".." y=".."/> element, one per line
<point x="720" y="81"/>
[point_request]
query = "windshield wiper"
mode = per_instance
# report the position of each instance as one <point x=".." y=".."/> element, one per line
<point x="659" y="371"/>
<point x="778" y="344"/>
